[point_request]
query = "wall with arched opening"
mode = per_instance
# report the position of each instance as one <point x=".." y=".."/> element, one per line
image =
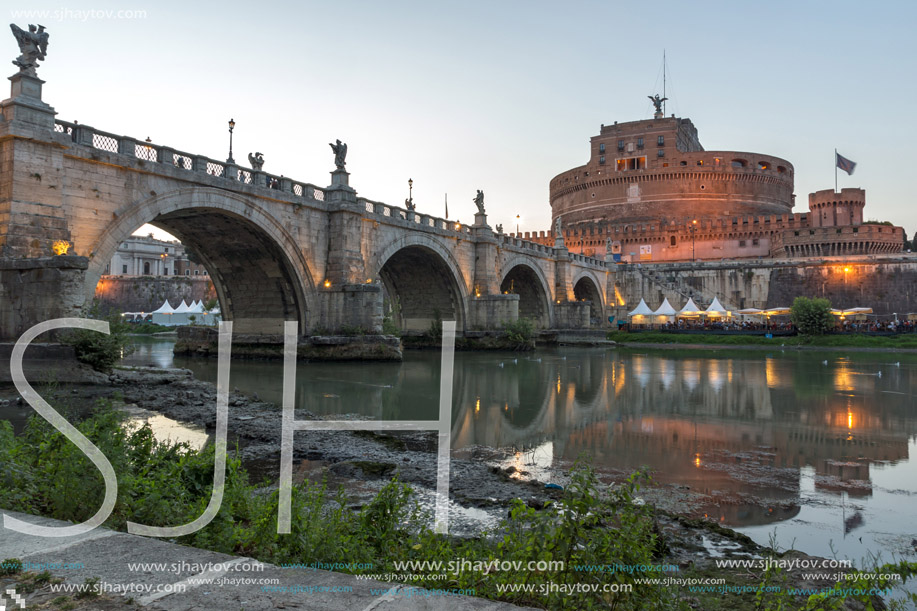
<point x="422" y="285"/>
<point x="534" y="298"/>
<point x="586" y="288"/>
<point x="258" y="271"/>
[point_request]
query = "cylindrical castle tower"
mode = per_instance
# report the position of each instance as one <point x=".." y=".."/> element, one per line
<point x="657" y="171"/>
<point x="829" y="208"/>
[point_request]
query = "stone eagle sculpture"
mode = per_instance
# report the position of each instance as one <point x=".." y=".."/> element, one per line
<point x="33" y="47"/>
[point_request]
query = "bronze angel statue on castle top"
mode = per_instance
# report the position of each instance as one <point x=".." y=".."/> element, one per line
<point x="33" y="47"/>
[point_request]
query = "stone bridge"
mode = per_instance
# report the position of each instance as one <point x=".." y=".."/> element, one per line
<point x="277" y="249"/>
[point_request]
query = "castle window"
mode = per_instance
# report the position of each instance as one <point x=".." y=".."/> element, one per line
<point x="781" y="169"/>
<point x="620" y="145"/>
<point x="123" y="269"/>
<point x="602" y="160"/>
<point x="796" y="233"/>
<point x="838" y="231"/>
<point x="672" y="241"/>
<point x="187" y="272"/>
<point x="197" y="272"/>
<point x="739" y="163"/>
<point x="684" y="163"/>
<point x="700" y="162"/>
<point x="741" y="243"/>
<point x="146" y="268"/>
<point x="660" y="141"/>
<point x="639" y="143"/>
<point x="856" y="230"/>
<point x="717" y="161"/>
<point x="762" y="165"/>
<point x="660" y="153"/>
<point x="602" y="148"/>
<point x="754" y="242"/>
<point x="811" y="232"/>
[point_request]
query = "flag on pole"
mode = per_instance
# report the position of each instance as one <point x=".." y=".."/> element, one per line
<point x="845" y="164"/>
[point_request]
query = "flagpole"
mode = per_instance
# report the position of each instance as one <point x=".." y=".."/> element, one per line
<point x="447" y="206"/>
<point x="835" y="170"/>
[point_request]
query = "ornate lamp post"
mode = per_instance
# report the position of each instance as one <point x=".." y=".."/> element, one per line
<point x="693" y="229"/>
<point x="411" y="190"/>
<point x="517" y="225"/>
<point x="232" y="125"/>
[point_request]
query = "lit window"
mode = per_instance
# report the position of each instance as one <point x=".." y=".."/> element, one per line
<point x="700" y="162"/>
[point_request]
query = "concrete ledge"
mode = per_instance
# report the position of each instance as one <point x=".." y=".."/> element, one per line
<point x="105" y="554"/>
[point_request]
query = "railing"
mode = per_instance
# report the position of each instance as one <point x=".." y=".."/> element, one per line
<point x="154" y="153"/>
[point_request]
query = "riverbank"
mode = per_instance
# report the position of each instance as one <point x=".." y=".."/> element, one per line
<point x="902" y="344"/>
<point x="484" y="483"/>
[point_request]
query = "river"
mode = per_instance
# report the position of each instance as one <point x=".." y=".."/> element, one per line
<point x="808" y="448"/>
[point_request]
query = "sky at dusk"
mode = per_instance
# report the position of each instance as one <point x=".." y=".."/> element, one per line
<point x="499" y="95"/>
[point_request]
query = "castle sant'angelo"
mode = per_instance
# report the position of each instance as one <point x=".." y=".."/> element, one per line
<point x="650" y="192"/>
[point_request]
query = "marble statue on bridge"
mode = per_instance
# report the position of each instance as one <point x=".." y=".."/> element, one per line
<point x="479" y="201"/>
<point x="340" y="154"/>
<point x="558" y="229"/>
<point x="33" y="47"/>
<point x="256" y="160"/>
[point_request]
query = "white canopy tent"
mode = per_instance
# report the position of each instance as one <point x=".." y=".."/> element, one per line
<point x="664" y="313"/>
<point x="163" y="315"/>
<point x="690" y="310"/>
<point x="639" y="314"/>
<point x="716" y="309"/>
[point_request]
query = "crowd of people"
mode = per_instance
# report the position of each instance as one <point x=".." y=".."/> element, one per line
<point x="780" y="325"/>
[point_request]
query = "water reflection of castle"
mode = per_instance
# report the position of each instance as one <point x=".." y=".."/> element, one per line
<point x="676" y="414"/>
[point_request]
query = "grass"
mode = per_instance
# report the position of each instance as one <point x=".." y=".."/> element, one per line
<point x="905" y="341"/>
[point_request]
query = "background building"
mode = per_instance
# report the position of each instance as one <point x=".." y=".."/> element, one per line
<point x="147" y="256"/>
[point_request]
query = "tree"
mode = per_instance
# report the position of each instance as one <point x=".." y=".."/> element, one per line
<point x="914" y="244"/>
<point x="811" y="316"/>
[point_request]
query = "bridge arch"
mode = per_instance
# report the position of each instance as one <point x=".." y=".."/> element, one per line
<point x="259" y="272"/>
<point x="587" y="287"/>
<point x="426" y="280"/>
<point x="528" y="281"/>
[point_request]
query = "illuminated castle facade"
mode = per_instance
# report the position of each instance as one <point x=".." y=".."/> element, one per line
<point x="650" y="192"/>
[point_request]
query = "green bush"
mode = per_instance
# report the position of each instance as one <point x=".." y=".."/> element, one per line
<point x="811" y="316"/>
<point x="520" y="331"/>
<point x="98" y="350"/>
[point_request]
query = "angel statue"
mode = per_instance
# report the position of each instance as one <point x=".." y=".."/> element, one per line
<point x="33" y="46"/>
<point x="607" y="246"/>
<point x="340" y="154"/>
<point x="500" y="228"/>
<point x="479" y="201"/>
<point x="256" y="160"/>
<point x="558" y="229"/>
<point x="657" y="102"/>
<point x="409" y="204"/>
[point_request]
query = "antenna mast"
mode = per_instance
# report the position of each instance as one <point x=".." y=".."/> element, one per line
<point x="663" y="82"/>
